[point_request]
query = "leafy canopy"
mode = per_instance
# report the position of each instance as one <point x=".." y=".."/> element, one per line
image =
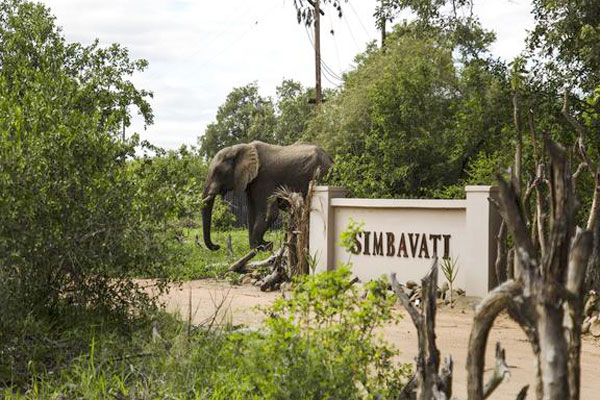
<point x="74" y="222"/>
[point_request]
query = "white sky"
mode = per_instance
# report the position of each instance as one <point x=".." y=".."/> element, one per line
<point x="199" y="50"/>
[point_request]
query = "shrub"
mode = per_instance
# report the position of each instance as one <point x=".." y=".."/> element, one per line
<point x="223" y="219"/>
<point x="320" y="343"/>
<point x="74" y="221"/>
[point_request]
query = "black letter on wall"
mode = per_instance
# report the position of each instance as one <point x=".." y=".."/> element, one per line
<point x="367" y="236"/>
<point x="391" y="248"/>
<point x="377" y="244"/>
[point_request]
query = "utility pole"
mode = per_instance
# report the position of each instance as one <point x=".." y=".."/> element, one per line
<point x="382" y="25"/>
<point x="319" y="94"/>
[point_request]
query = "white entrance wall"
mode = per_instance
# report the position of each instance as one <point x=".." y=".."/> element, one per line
<point x="402" y="236"/>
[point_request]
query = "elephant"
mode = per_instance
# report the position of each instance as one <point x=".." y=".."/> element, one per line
<point x="260" y="169"/>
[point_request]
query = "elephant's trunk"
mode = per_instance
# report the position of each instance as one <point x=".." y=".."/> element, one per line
<point x="206" y="221"/>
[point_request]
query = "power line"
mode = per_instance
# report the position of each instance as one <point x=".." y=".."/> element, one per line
<point x="330" y="71"/>
<point x="350" y="30"/>
<point x="358" y="17"/>
<point x="326" y="67"/>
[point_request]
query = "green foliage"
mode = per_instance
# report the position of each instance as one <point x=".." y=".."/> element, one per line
<point x="451" y="21"/>
<point x="450" y="269"/>
<point x="408" y="122"/>
<point x="320" y="343"/>
<point x="175" y="178"/>
<point x="199" y="262"/>
<point x="222" y="217"/>
<point x="293" y="112"/>
<point x="245" y="116"/>
<point x="566" y="42"/>
<point x="349" y="235"/>
<point x="74" y="222"/>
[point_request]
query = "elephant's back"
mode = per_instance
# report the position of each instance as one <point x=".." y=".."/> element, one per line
<point x="310" y="157"/>
<point x="295" y="165"/>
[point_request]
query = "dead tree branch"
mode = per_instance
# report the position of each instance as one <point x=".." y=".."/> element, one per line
<point x="500" y="374"/>
<point x="485" y="314"/>
<point x="240" y="265"/>
<point x="431" y="383"/>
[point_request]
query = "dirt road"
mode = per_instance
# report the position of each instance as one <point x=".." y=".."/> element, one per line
<point x="238" y="305"/>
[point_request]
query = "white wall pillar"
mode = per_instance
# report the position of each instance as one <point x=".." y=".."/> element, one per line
<point x="483" y="224"/>
<point x="321" y="243"/>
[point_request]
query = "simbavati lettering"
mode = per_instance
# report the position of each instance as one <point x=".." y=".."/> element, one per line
<point x="421" y="245"/>
<point x="402" y="247"/>
<point x="391" y="247"/>
<point x="377" y="244"/>
<point x="366" y="235"/>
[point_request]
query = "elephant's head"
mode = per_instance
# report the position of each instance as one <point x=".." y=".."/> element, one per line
<point x="232" y="168"/>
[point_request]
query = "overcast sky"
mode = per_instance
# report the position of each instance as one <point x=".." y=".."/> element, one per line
<point x="199" y="50"/>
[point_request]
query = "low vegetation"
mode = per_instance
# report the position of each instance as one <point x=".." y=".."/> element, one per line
<point x="319" y="343"/>
<point x="203" y="263"/>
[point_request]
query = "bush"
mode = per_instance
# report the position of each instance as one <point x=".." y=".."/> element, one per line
<point x="321" y="343"/>
<point x="74" y="221"/>
<point x="222" y="218"/>
<point x="318" y="344"/>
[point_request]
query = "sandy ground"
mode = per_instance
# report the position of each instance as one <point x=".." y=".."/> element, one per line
<point x="238" y="305"/>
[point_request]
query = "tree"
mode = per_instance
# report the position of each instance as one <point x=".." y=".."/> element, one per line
<point x="408" y="121"/>
<point x="566" y="42"/>
<point x="564" y="54"/>
<point x="245" y="116"/>
<point x="73" y="223"/>
<point x="458" y="26"/>
<point x="293" y="112"/>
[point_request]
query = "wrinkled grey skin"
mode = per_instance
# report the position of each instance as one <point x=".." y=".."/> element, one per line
<point x="260" y="169"/>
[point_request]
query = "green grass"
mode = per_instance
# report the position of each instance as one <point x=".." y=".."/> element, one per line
<point x="106" y="360"/>
<point x="307" y="355"/>
<point x="203" y="263"/>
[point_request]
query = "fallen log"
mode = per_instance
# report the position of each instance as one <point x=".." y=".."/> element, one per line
<point x="240" y="265"/>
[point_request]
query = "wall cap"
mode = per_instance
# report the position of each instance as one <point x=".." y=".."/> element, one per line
<point x="481" y="188"/>
<point x="400" y="203"/>
<point x="330" y="189"/>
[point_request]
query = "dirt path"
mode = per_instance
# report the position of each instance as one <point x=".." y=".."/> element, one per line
<point x="452" y="327"/>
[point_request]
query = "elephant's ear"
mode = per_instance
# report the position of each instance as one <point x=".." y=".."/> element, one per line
<point x="246" y="166"/>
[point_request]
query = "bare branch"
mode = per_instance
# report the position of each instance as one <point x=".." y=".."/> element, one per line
<point x="405" y="300"/>
<point x="523" y="393"/>
<point x="512" y="214"/>
<point x="500" y="374"/>
<point x="407" y="391"/>
<point x="501" y="254"/>
<point x="536" y="155"/>
<point x="594" y="209"/>
<point x="580" y="168"/>
<point x="563" y="208"/>
<point x="240" y="265"/>
<point x="485" y="314"/>
<point x="539" y="210"/>
<point x="580" y="253"/>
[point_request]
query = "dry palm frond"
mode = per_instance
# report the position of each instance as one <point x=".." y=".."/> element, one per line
<point x="298" y="209"/>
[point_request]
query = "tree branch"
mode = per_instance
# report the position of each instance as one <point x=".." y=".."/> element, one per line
<point x="500" y="374"/>
<point x="485" y="314"/>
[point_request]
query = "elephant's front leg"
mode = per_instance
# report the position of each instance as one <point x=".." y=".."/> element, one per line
<point x="257" y="222"/>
